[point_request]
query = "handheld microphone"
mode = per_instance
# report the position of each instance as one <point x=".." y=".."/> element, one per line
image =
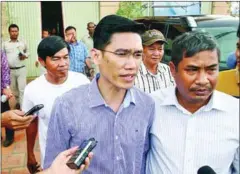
<point x="205" y="170"/>
<point x="79" y="157"/>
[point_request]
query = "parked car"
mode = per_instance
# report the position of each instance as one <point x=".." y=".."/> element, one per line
<point x="223" y="27"/>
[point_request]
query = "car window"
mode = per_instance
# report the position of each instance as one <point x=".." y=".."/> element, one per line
<point x="226" y="38"/>
<point x="223" y="30"/>
<point x="172" y="31"/>
<point x="158" y="26"/>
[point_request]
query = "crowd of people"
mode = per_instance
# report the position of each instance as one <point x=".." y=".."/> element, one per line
<point x="148" y="117"/>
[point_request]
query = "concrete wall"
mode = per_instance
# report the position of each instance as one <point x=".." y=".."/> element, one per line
<point x="78" y="14"/>
<point x="27" y="16"/>
<point x="206" y="7"/>
<point x="4" y="20"/>
<point x="222" y="8"/>
<point x="107" y="8"/>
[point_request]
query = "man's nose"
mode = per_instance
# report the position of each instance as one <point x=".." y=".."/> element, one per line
<point x="130" y="62"/>
<point x="63" y="62"/>
<point x="202" y="78"/>
<point x="156" y="52"/>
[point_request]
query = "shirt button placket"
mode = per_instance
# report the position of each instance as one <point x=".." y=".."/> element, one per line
<point x="116" y="145"/>
<point x="189" y="146"/>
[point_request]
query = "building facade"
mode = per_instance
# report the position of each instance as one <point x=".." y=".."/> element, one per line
<point x="32" y="17"/>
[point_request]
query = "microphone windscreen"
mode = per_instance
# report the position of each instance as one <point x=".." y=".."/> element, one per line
<point x="205" y="170"/>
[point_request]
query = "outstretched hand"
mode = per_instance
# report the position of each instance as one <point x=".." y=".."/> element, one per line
<point x="14" y="119"/>
<point x="59" y="164"/>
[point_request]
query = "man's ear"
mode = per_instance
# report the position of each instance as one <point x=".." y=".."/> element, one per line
<point x="42" y="61"/>
<point x="173" y="68"/>
<point x="96" y="56"/>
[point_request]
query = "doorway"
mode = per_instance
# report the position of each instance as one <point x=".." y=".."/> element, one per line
<point x="52" y="17"/>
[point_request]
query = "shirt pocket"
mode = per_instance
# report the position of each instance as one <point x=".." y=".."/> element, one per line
<point x="9" y="50"/>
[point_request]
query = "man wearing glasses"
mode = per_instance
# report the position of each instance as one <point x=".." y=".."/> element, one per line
<point x="53" y="53"/>
<point x="109" y="109"/>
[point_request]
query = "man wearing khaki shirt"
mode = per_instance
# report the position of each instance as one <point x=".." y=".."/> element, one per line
<point x="16" y="51"/>
<point x="88" y="41"/>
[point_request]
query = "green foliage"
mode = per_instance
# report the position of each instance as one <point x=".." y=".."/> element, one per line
<point x="130" y="10"/>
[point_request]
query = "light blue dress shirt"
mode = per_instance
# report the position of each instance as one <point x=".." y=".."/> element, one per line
<point x="123" y="137"/>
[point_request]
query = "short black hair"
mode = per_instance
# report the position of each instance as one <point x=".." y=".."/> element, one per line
<point x="13" y="26"/>
<point x="46" y="29"/>
<point x="50" y="46"/>
<point x="191" y="43"/>
<point x="111" y="24"/>
<point x="238" y="31"/>
<point x="69" y="28"/>
<point x="90" y="23"/>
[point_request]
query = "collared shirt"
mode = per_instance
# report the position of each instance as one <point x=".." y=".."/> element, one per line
<point x="5" y="71"/>
<point x="88" y="41"/>
<point x="12" y="50"/>
<point x="78" y="55"/>
<point x="182" y="142"/>
<point x="123" y="137"/>
<point x="149" y="82"/>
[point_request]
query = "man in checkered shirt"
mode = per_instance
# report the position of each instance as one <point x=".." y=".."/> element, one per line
<point x="153" y="74"/>
<point x="79" y="56"/>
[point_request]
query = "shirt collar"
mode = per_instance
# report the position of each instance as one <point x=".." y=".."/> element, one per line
<point x="96" y="98"/>
<point x="143" y="68"/>
<point x="145" y="71"/>
<point x="76" y="43"/>
<point x="215" y="101"/>
<point x="89" y="36"/>
<point x="170" y="98"/>
<point x="161" y="67"/>
<point x="9" y="40"/>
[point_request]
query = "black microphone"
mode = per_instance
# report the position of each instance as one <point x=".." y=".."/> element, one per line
<point x="205" y="170"/>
